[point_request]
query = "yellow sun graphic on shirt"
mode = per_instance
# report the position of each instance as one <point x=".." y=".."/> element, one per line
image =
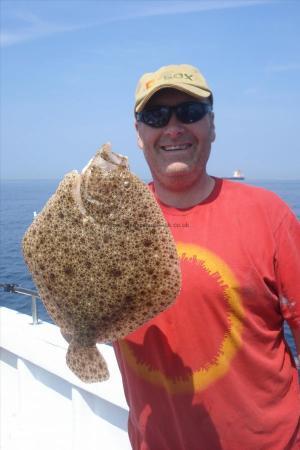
<point x="200" y="379"/>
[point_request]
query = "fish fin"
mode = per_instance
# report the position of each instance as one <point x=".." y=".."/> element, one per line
<point x="86" y="363"/>
<point x="66" y="335"/>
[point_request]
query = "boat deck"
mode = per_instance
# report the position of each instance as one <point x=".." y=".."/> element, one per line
<point x="43" y="404"/>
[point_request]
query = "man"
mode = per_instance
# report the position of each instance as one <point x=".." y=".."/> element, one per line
<point x="213" y="371"/>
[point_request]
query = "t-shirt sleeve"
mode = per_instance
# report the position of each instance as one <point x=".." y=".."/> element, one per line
<point x="287" y="264"/>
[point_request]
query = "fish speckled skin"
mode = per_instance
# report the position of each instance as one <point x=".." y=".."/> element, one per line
<point x="103" y="259"/>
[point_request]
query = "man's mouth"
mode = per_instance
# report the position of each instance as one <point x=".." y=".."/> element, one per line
<point x="175" y="148"/>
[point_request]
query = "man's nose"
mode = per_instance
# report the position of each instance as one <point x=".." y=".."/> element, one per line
<point x="174" y="128"/>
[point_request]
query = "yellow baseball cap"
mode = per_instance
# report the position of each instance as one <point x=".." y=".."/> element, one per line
<point x="182" y="77"/>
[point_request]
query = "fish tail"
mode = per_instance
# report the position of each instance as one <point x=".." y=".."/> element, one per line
<point x="87" y="363"/>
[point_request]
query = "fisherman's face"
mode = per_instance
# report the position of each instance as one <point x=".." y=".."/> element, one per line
<point x="177" y="150"/>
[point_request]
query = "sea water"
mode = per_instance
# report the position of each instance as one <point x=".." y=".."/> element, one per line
<point x="19" y="200"/>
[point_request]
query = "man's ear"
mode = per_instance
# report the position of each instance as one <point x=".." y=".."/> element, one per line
<point x="212" y="127"/>
<point x="138" y="136"/>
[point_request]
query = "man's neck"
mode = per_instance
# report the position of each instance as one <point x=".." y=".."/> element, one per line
<point x="182" y="197"/>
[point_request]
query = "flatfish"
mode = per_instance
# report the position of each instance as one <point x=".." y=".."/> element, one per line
<point x="103" y="259"/>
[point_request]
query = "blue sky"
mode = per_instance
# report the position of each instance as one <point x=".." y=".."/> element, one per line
<point x="69" y="71"/>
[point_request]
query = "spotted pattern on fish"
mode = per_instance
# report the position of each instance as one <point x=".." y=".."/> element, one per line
<point x="103" y="259"/>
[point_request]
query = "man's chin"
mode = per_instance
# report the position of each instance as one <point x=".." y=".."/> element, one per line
<point x="177" y="168"/>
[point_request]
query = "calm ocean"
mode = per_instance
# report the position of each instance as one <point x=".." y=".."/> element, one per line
<point x="19" y="199"/>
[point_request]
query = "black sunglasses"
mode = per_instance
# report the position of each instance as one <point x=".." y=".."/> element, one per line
<point x="187" y="112"/>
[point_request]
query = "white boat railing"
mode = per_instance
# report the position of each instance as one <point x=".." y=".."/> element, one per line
<point x="16" y="289"/>
<point x="43" y="404"/>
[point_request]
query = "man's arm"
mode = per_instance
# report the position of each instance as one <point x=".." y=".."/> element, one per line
<point x="296" y="336"/>
<point x="288" y="274"/>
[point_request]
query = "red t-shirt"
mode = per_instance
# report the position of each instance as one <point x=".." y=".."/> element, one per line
<point x="213" y="371"/>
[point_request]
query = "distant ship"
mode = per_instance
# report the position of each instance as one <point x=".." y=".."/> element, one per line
<point x="237" y="175"/>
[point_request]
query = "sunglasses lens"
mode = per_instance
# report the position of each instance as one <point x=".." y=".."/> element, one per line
<point x="156" y="117"/>
<point x="188" y="112"/>
<point x="191" y="112"/>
